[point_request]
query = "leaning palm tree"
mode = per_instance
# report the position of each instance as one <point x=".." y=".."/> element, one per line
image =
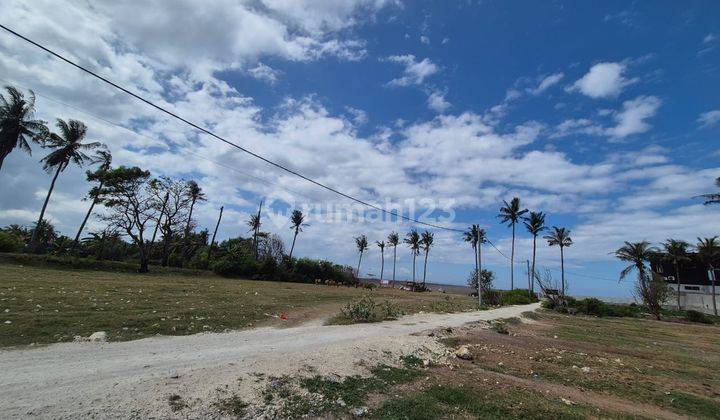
<point x="637" y="253"/>
<point x="426" y="242"/>
<point x="393" y="240"/>
<point x="560" y="237"/>
<point x="709" y="251"/>
<point x="104" y="159"/>
<point x="712" y="198"/>
<point x="17" y="126"/>
<point x="511" y="213"/>
<point x="68" y="148"/>
<point x="412" y="239"/>
<point x="362" y="245"/>
<point x="534" y="223"/>
<point x="297" y="221"/>
<point x="676" y="251"/>
<point x="381" y="245"/>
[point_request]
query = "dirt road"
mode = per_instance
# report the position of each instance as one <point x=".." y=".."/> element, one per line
<point x="135" y="378"/>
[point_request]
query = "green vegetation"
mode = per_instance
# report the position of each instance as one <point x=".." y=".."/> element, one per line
<point x="47" y="305"/>
<point x="232" y="405"/>
<point x="476" y="401"/>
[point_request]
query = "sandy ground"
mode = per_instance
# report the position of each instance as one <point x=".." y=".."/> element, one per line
<point x="136" y="378"/>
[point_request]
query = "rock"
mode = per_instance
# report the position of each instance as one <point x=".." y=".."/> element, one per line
<point x="340" y="402"/>
<point x="98" y="337"/>
<point x="463" y="352"/>
<point x="79" y="339"/>
<point x="8" y="322"/>
<point x="586" y="369"/>
<point x="333" y="378"/>
<point x="566" y="401"/>
<point x="359" y="411"/>
<point x="426" y="362"/>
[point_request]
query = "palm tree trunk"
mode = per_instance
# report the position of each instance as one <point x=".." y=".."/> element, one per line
<point x="677" y="277"/>
<point x="394" y="262"/>
<point x="382" y="264"/>
<point x="293" y="244"/>
<point x="186" y="237"/>
<point x="413" y="271"/>
<point x="712" y="271"/>
<point x="82" y="225"/>
<point x="427" y="251"/>
<point x="358" y="270"/>
<point x="33" y="240"/>
<point x="562" y="271"/>
<point x="479" y="270"/>
<point x="532" y="273"/>
<point x="512" y="260"/>
<point x="101" y="248"/>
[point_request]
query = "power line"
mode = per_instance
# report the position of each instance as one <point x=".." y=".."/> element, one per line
<point x="220" y="138"/>
<point x="228" y="142"/>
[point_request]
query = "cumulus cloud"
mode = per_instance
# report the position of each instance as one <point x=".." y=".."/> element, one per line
<point x="546" y="83"/>
<point x="265" y="73"/>
<point x="710" y="118"/>
<point x="415" y="72"/>
<point x="604" y="80"/>
<point x="632" y="118"/>
<point x="436" y="101"/>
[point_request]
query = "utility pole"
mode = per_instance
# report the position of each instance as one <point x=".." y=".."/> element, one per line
<point x="212" y="241"/>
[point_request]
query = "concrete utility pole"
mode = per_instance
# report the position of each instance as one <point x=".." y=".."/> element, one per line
<point x="212" y="241"/>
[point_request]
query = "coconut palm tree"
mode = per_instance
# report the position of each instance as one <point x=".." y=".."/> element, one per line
<point x="255" y="224"/>
<point x="362" y="245"/>
<point x="381" y="245"/>
<point x="534" y="223"/>
<point x="104" y="159"/>
<point x="511" y="213"/>
<point x="297" y="221"/>
<point x="17" y="126"/>
<point x="393" y="240"/>
<point x="637" y="253"/>
<point x="412" y="239"/>
<point x="560" y="237"/>
<point x="68" y="148"/>
<point x="709" y="251"/>
<point x="195" y="194"/>
<point x="426" y="242"/>
<point x="472" y="235"/>
<point x="712" y="198"/>
<point x="676" y="251"/>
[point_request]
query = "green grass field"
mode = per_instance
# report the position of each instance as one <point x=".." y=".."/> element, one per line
<point x="47" y="305"/>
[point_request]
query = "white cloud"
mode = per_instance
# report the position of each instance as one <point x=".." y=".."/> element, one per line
<point x="546" y="83"/>
<point x="415" y="72"/>
<point x="359" y="116"/>
<point x="436" y="101"/>
<point x="709" y="38"/>
<point x="604" y="80"/>
<point x="631" y="120"/>
<point x="264" y="72"/>
<point x="425" y="40"/>
<point x="710" y="118"/>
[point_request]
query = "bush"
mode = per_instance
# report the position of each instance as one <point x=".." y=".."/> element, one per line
<point x="367" y="310"/>
<point x="10" y="242"/>
<point x="695" y="316"/>
<point x="517" y="297"/>
<point x="362" y="310"/>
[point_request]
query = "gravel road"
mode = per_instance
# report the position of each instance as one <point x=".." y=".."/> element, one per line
<point x="135" y="378"/>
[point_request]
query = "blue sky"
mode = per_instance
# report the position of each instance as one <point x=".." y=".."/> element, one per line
<point x="605" y="115"/>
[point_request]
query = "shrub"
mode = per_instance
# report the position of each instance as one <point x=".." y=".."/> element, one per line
<point x="389" y="310"/>
<point x="695" y="316"/>
<point x="500" y="327"/>
<point x="517" y="297"/>
<point x="10" y="242"/>
<point x="362" y="310"/>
